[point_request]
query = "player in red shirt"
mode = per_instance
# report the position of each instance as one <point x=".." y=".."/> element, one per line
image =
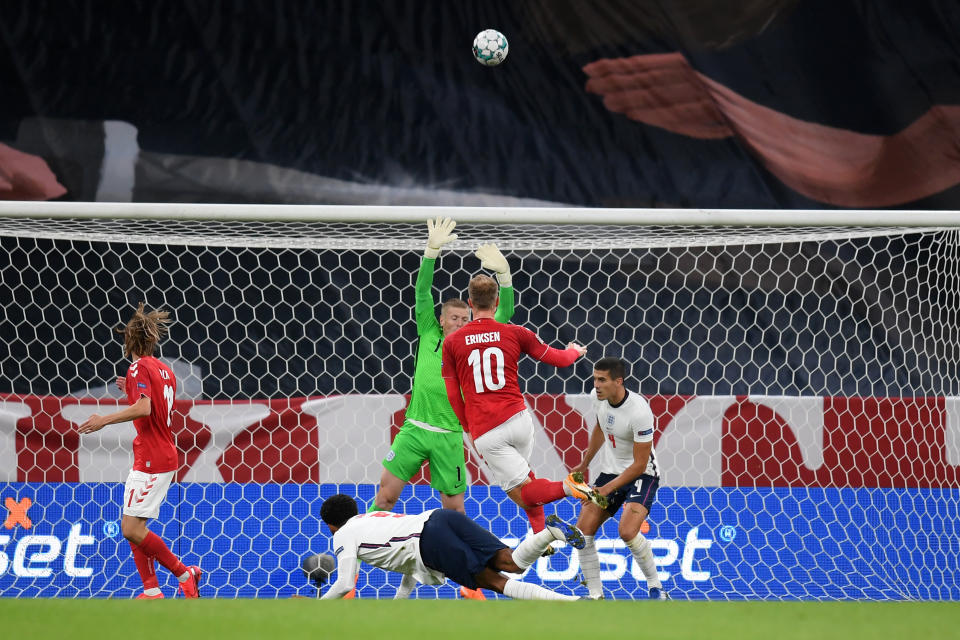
<point x="480" y="370"/>
<point x="150" y="387"/>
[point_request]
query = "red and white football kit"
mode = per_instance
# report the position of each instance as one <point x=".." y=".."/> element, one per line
<point x="154" y="451"/>
<point x="480" y="360"/>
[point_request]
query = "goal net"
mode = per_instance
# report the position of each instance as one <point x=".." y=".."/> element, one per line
<point x="804" y="382"/>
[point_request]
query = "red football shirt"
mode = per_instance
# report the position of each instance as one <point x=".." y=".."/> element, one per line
<point x="154" y="450"/>
<point x="483" y="356"/>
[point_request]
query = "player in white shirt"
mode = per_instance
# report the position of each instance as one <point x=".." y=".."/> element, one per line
<point x="435" y="545"/>
<point x="629" y="476"/>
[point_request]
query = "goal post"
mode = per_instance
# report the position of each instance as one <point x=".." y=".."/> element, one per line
<point x="487" y="215"/>
<point x="803" y="369"/>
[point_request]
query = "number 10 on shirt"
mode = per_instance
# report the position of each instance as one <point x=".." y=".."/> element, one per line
<point x="490" y="361"/>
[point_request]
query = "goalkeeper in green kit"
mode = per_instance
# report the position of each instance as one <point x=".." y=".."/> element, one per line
<point x="430" y="429"/>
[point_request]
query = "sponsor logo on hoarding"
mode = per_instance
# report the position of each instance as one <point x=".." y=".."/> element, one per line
<point x="17" y="513"/>
<point x="614" y="564"/>
<point x="33" y="555"/>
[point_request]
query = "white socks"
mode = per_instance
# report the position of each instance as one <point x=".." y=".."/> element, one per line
<point x="184" y="577"/>
<point x="643" y="554"/>
<point x="529" y="591"/>
<point x="590" y="565"/>
<point x="152" y="591"/>
<point x="531" y="547"/>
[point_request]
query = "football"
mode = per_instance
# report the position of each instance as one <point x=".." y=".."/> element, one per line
<point x="490" y="47"/>
<point x="318" y="567"/>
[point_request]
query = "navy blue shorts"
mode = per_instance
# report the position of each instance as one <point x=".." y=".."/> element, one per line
<point x="642" y="490"/>
<point x="457" y="546"/>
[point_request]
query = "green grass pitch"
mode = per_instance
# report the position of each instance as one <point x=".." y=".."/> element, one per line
<point x="462" y="620"/>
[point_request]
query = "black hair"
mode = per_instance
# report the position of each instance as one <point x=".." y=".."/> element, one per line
<point x="616" y="367"/>
<point x="336" y="510"/>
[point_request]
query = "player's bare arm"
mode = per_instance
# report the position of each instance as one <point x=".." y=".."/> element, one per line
<point x="139" y="409"/>
<point x="641" y="455"/>
<point x="596" y="442"/>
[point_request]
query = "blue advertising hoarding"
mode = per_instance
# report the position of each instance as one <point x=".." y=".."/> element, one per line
<point x="709" y="543"/>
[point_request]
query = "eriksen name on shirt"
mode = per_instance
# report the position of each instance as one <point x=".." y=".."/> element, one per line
<point x="490" y="336"/>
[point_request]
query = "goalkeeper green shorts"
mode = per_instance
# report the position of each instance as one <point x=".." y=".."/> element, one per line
<point x="444" y="451"/>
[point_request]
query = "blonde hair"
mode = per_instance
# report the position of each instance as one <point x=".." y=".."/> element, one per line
<point x="143" y="331"/>
<point x="453" y="302"/>
<point x="483" y="292"/>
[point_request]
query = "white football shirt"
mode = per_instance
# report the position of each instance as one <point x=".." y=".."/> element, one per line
<point x="386" y="540"/>
<point x="630" y="421"/>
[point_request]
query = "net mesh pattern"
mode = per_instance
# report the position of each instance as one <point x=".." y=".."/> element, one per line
<point x="803" y="382"/>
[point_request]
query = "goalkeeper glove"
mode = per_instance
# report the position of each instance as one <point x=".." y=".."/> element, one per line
<point x="439" y="234"/>
<point x="492" y="259"/>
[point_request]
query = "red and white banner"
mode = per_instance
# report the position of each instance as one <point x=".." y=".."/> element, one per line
<point x="730" y="441"/>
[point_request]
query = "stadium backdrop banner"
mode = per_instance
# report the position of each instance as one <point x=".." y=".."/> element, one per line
<point x="779" y="104"/>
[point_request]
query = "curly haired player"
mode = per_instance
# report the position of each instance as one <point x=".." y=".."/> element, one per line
<point x="150" y="387"/>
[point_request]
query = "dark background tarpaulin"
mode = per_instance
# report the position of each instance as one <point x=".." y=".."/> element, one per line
<point x="764" y="103"/>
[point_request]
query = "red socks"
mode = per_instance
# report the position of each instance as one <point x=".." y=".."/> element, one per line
<point x="537" y="518"/>
<point x="541" y="491"/>
<point x="145" y="568"/>
<point x="536" y="493"/>
<point x="153" y="547"/>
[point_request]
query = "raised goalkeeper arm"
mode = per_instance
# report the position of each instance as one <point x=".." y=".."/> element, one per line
<point x="439" y="233"/>
<point x="491" y="258"/>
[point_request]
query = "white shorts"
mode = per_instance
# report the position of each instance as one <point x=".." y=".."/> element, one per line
<point x="506" y="449"/>
<point x="144" y="493"/>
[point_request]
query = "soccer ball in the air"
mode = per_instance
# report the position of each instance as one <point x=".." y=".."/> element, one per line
<point x="490" y="47"/>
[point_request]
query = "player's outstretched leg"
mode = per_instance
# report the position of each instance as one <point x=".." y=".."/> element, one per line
<point x="516" y="589"/>
<point x="577" y="487"/>
<point x="533" y="546"/>
<point x="519" y="590"/>
<point x="566" y="532"/>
